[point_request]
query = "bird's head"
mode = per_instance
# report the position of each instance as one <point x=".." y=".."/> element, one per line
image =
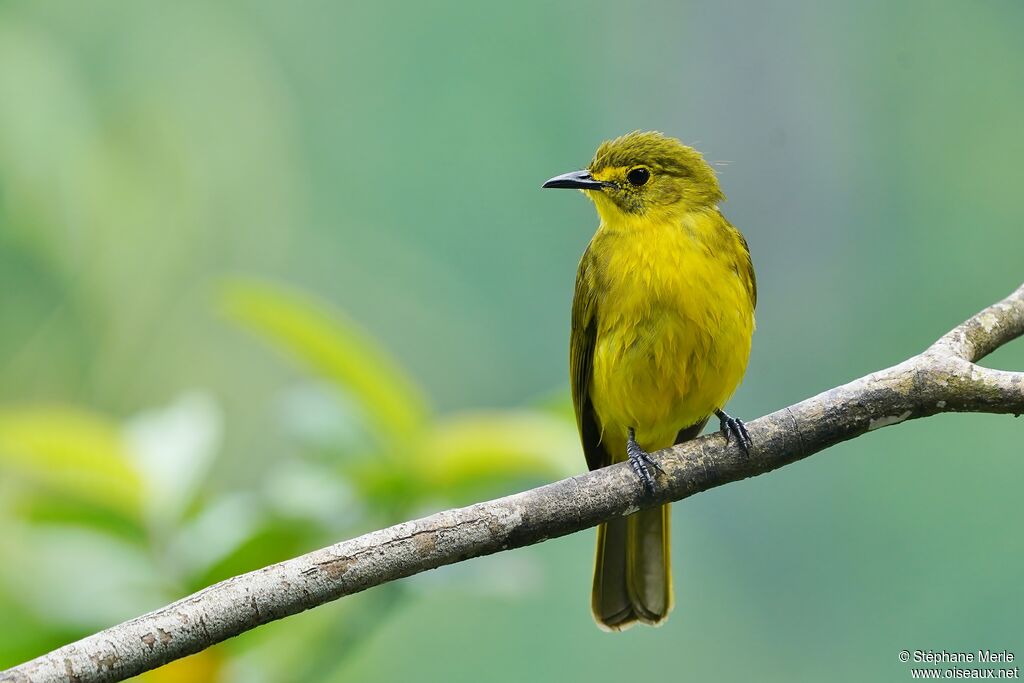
<point x="644" y="174"/>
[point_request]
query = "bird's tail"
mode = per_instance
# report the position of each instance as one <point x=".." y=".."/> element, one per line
<point x="633" y="576"/>
<point x="633" y="572"/>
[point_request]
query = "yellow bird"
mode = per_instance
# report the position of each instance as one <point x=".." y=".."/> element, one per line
<point x="662" y="320"/>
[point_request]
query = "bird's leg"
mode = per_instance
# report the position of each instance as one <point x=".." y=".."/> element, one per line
<point x="641" y="462"/>
<point x="730" y="427"/>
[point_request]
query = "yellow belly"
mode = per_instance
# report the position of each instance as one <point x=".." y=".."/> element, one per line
<point x="673" y="337"/>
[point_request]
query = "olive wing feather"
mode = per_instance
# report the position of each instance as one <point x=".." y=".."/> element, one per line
<point x="582" y="340"/>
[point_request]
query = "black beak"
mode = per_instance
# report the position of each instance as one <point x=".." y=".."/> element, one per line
<point x="577" y="180"/>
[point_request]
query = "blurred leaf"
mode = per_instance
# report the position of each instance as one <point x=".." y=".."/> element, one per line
<point x="389" y="487"/>
<point x="174" y="447"/>
<point x="274" y="541"/>
<point x="72" y="453"/>
<point x="216" y="531"/>
<point x="486" y="445"/>
<point x="333" y="346"/>
<point x="466" y="455"/>
<point x="61" y="510"/>
<point x="313" y="491"/>
<point x="321" y="418"/>
<point x="77" y="577"/>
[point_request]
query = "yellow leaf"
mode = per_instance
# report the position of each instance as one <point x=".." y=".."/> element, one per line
<point x="334" y="347"/>
<point x="71" y="452"/>
<point x="495" y="444"/>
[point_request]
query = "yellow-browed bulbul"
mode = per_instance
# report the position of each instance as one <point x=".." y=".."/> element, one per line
<point x="662" y="320"/>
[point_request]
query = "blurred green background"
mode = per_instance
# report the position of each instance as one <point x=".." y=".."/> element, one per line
<point x="277" y="274"/>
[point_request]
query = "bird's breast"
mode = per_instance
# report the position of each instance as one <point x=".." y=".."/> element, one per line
<point x="674" y="328"/>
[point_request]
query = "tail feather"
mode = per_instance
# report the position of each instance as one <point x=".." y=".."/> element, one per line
<point x="610" y="601"/>
<point x="633" y="569"/>
<point x="632" y="577"/>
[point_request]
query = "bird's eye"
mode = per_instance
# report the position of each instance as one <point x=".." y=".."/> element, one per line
<point x="638" y="176"/>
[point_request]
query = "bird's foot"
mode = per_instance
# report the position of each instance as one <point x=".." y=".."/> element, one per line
<point x="641" y="463"/>
<point x="733" y="427"/>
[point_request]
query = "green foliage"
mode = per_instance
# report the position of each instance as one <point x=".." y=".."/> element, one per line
<point x="333" y="347"/>
<point x="64" y="453"/>
<point x="402" y="458"/>
<point x="130" y="500"/>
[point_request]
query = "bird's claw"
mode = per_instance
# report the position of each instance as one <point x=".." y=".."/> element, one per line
<point x="734" y="427"/>
<point x="641" y="462"/>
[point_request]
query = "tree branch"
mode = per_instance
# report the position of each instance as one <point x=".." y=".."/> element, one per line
<point x="942" y="379"/>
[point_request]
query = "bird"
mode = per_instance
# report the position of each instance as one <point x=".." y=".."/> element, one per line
<point x="662" y="322"/>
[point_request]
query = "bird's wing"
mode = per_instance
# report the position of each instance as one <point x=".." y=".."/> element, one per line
<point x="748" y="268"/>
<point x="581" y="362"/>
<point x="745" y="267"/>
<point x="743" y="264"/>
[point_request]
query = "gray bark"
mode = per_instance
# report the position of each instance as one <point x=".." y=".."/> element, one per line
<point x="944" y="378"/>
